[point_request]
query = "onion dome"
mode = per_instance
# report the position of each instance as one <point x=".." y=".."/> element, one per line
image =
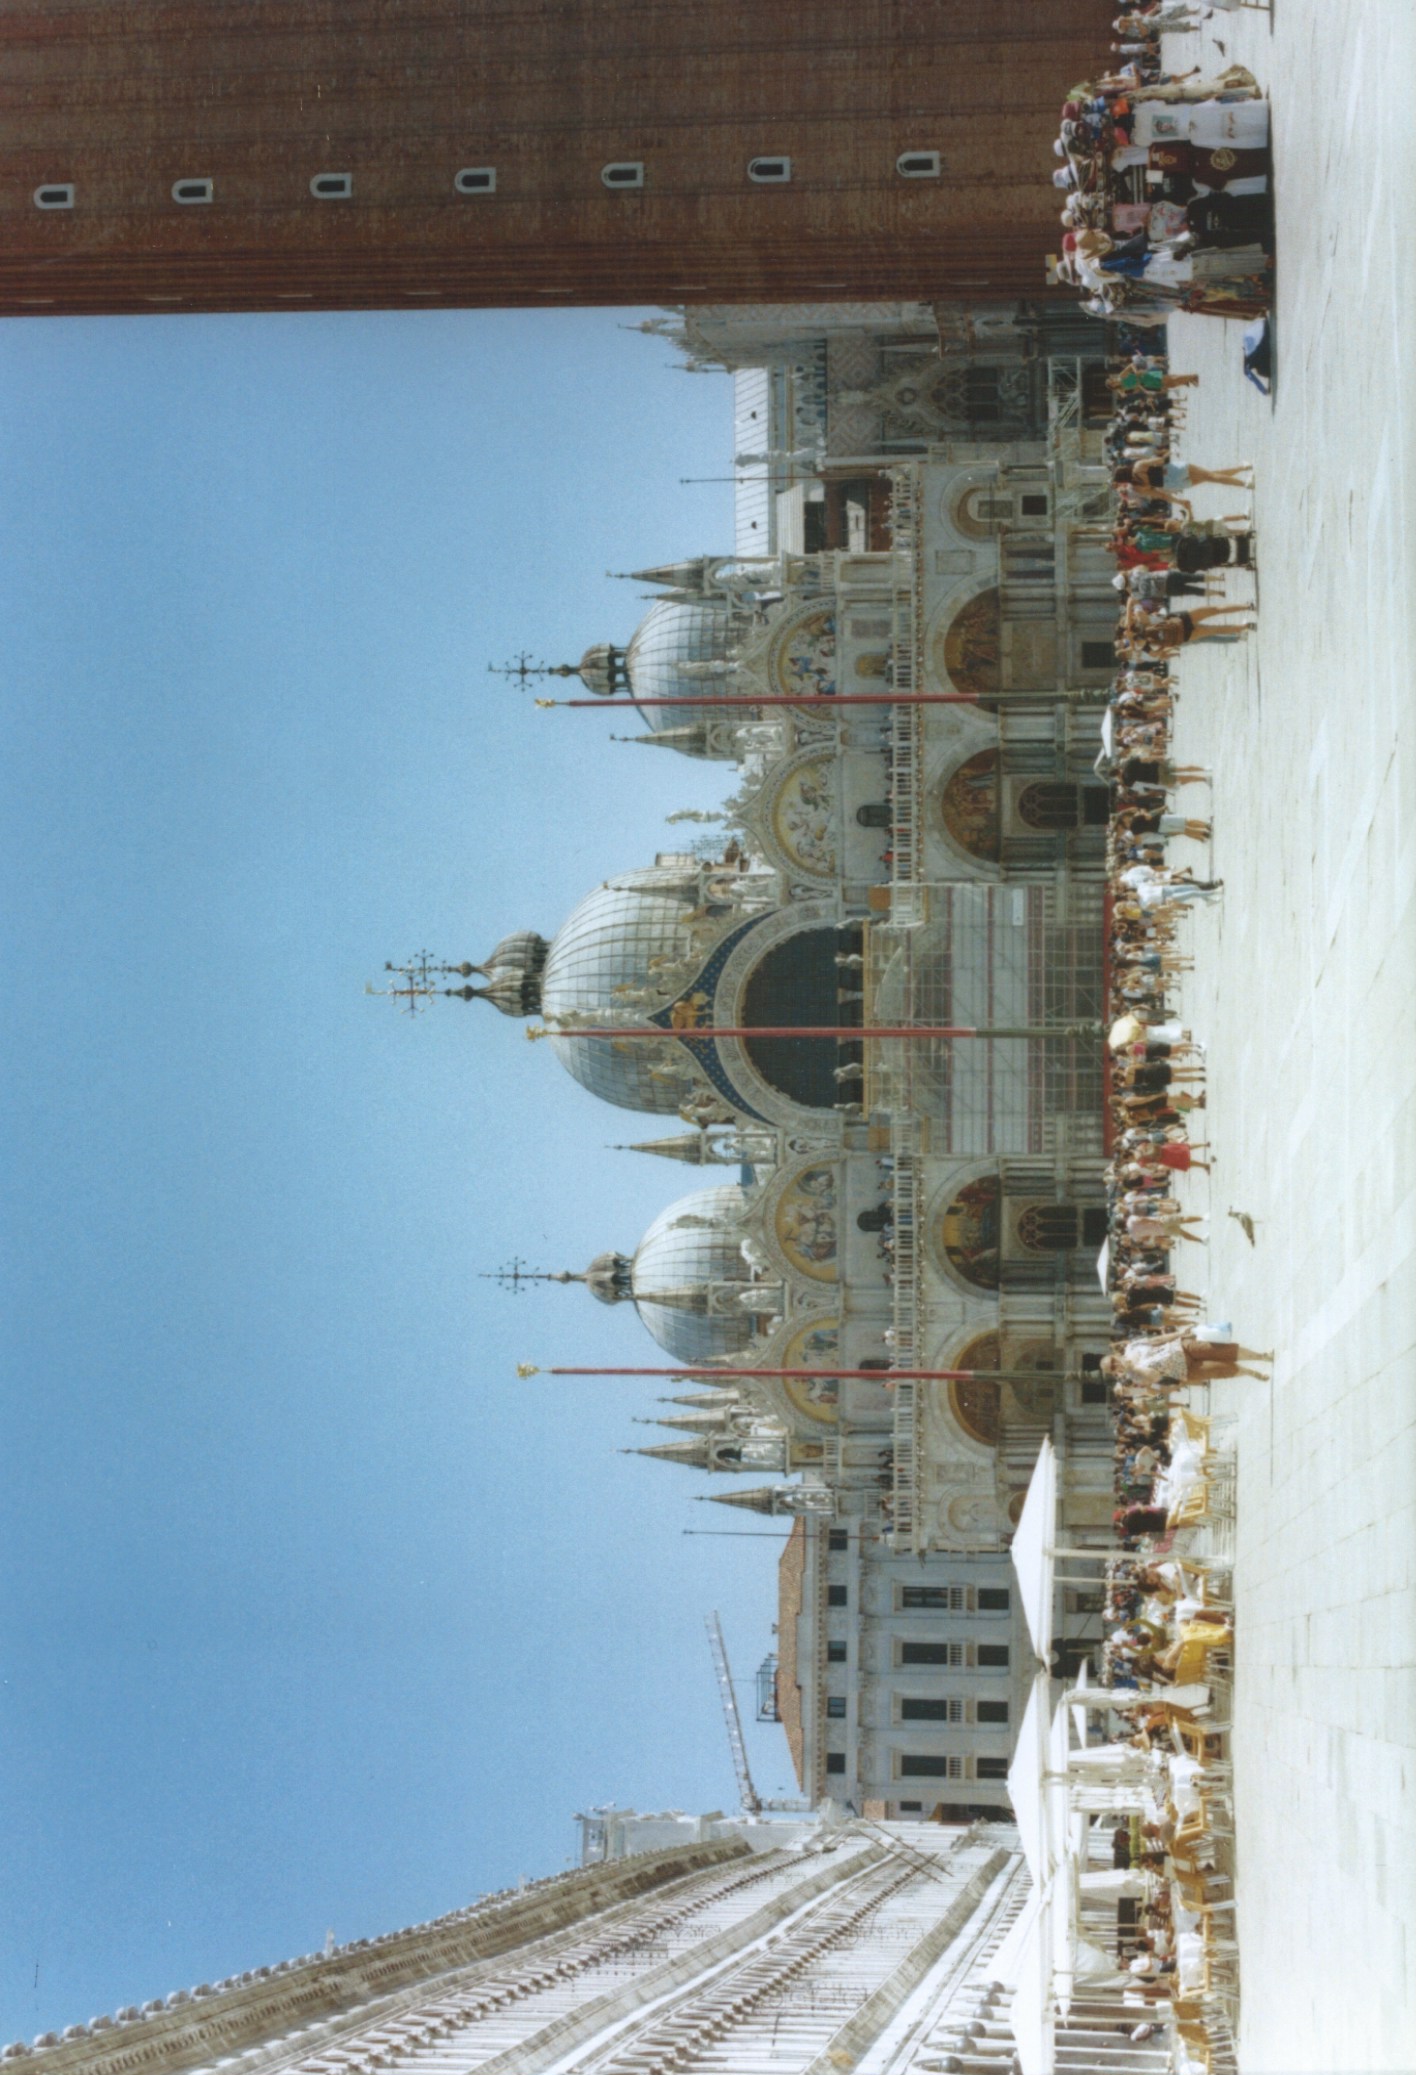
<point x="609" y="1278"/>
<point x="687" y="1273"/>
<point x="602" y="670"/>
<point x="512" y="974"/>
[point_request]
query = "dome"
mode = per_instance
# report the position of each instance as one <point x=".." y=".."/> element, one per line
<point x="673" y="635"/>
<point x="607" y="945"/>
<point x="512" y="973"/>
<point x="690" y="1252"/>
<point x="608" y="1278"/>
<point x="601" y="670"/>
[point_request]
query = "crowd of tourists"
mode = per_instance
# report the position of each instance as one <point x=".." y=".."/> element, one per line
<point x="1166" y="1661"/>
<point x="1165" y="179"/>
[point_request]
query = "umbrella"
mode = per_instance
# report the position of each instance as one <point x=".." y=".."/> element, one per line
<point x="1027" y="1778"/>
<point x="1080" y="1698"/>
<point x="1103" y="1265"/>
<point x="1033" y="2021"/>
<point x="1032" y="1551"/>
<point x="1126" y="1030"/>
<point x="1108" y="735"/>
<point x="1006" y="1962"/>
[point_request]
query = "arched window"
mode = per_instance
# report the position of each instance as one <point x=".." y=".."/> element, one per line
<point x="193" y="190"/>
<point x="1050" y="804"/>
<point x="1050" y="1228"/>
<point x="332" y="187"/>
<point x="918" y="165"/>
<point x="769" y="172"/>
<point x="476" y="180"/>
<point x="874" y="815"/>
<point x="623" y="173"/>
<point x="55" y="194"/>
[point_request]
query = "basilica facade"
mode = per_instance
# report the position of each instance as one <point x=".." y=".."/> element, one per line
<point x="911" y="841"/>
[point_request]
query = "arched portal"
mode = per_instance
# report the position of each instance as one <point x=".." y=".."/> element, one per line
<point x="799" y="983"/>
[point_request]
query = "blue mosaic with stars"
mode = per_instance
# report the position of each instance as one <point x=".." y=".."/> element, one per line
<point x="704" y="1049"/>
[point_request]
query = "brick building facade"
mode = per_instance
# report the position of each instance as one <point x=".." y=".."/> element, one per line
<point x="351" y="154"/>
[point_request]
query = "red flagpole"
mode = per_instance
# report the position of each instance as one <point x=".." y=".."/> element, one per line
<point x="848" y="1032"/>
<point x="882" y="1376"/>
<point x="745" y="699"/>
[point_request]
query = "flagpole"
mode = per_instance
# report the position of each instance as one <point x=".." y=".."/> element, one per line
<point x="886" y="1377"/>
<point x="843" y="1032"/>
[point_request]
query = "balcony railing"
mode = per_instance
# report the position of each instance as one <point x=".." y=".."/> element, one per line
<point x="906" y="732"/>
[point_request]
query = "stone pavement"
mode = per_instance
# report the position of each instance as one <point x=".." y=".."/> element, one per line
<point x="1306" y="991"/>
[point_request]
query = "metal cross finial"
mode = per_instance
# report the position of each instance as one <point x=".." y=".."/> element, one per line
<point x="523" y="668"/>
<point x="419" y="978"/>
<point x="515" y="1275"/>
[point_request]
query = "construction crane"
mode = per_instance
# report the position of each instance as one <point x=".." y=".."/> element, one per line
<point x="748" y="1795"/>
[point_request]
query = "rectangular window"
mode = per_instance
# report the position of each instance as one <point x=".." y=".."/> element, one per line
<point x="993" y="1599"/>
<point x="993" y="1657"/>
<point x="910" y="1808"/>
<point x="1035" y="507"/>
<point x="837" y="1538"/>
<point x="990" y="1768"/>
<point x="950" y="1598"/>
<point x="835" y="1761"/>
<point x="920" y="1710"/>
<point x="992" y="1711"/>
<point x="836" y="1707"/>
<point x="932" y="1653"/>
<point x="835" y="1653"/>
<point x="1098" y="655"/>
<point x="927" y="1765"/>
<point x="835" y="1595"/>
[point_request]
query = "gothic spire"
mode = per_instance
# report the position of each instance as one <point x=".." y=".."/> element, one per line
<point x="761" y="1499"/>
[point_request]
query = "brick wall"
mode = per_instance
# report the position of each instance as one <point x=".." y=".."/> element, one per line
<point x="125" y="97"/>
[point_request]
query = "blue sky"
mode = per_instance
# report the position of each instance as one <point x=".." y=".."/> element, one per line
<point x="313" y="1615"/>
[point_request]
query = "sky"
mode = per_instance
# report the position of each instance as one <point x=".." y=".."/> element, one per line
<point x="313" y="1616"/>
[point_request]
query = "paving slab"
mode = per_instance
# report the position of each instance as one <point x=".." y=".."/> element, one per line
<point x="1306" y="990"/>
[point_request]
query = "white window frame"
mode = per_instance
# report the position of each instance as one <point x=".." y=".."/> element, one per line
<point x="206" y="192"/>
<point x="475" y="180"/>
<point x="952" y="1768"/>
<point x="954" y="1716"/>
<point x="63" y="188"/>
<point x="344" y="192"/>
<point x="959" y="1599"/>
<point x="960" y="1657"/>
<point x="919" y="165"/>
<point x="622" y="175"/>
<point x="771" y="169"/>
